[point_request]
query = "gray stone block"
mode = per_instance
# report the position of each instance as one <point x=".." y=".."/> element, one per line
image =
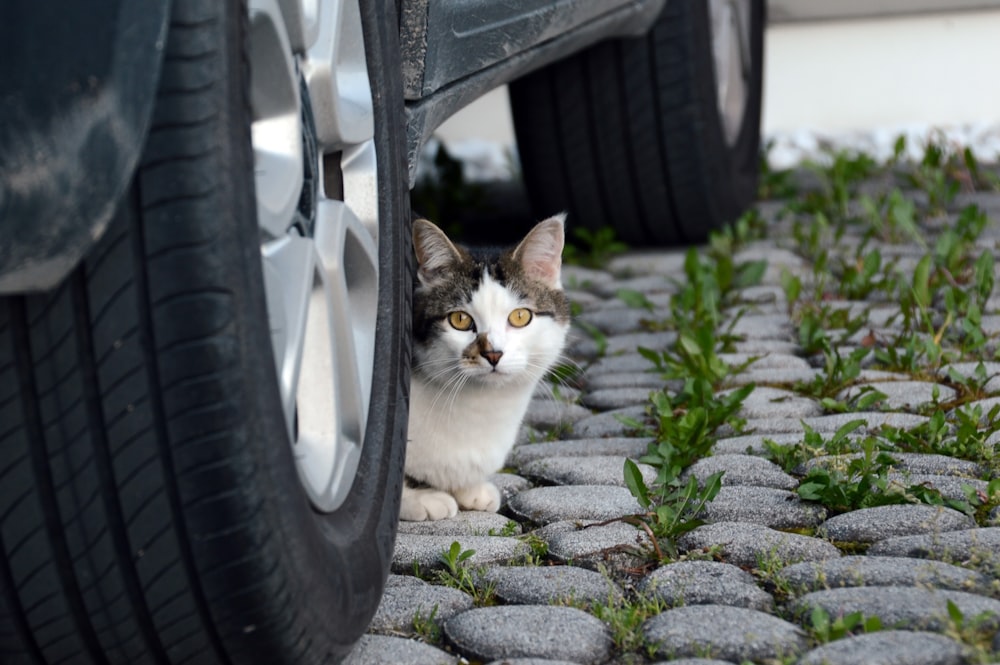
<point x="869" y="525"/>
<point x="901" y="607"/>
<point x="730" y="633"/>
<point x="466" y="523"/>
<point x="977" y="546"/>
<point x="608" y="424"/>
<point x="612" y="546"/>
<point x="591" y="470"/>
<point x="573" y="502"/>
<point x="890" y="647"/>
<point x="425" y="550"/>
<point x="869" y="570"/>
<point x="765" y="402"/>
<point x="543" y="585"/>
<point x="382" y="649"/>
<point x="530" y="631"/>
<point x="615" y="398"/>
<point x="745" y="545"/>
<point x="778" y="509"/>
<point x="402" y="604"/>
<point x="741" y="470"/>
<point x="910" y="395"/>
<point x="705" y="583"/>
<point x="626" y="447"/>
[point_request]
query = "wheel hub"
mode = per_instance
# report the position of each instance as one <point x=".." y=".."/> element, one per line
<point x="318" y="217"/>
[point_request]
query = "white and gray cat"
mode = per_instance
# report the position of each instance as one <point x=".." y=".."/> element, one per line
<point x="487" y="327"/>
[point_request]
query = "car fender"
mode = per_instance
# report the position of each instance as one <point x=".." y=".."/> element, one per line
<point x="77" y="90"/>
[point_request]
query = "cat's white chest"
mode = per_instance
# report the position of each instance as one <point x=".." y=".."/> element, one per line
<point x="457" y="438"/>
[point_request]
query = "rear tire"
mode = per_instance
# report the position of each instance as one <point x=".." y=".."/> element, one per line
<point x="630" y="133"/>
<point x="150" y="506"/>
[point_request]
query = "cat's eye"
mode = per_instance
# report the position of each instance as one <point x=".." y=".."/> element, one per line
<point x="460" y="320"/>
<point x="520" y="317"/>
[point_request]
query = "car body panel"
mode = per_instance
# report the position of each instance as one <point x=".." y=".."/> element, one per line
<point x="72" y="125"/>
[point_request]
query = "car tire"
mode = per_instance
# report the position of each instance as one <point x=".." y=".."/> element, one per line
<point x="152" y="508"/>
<point x="632" y="133"/>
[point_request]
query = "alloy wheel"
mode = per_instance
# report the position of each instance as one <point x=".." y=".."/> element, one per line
<point x="312" y="135"/>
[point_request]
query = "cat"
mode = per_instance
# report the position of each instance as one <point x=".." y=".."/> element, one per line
<point x="487" y="326"/>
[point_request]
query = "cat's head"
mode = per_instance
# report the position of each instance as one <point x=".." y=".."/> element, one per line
<point x="489" y="317"/>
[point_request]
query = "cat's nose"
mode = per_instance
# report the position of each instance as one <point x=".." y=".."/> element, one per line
<point x="492" y="357"/>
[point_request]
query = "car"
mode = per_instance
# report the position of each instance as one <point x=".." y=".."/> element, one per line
<point x="206" y="275"/>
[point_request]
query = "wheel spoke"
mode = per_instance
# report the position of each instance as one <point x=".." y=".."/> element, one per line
<point x="277" y="119"/>
<point x="730" y="27"/>
<point x="337" y="74"/>
<point x="289" y="274"/>
<point x="302" y="20"/>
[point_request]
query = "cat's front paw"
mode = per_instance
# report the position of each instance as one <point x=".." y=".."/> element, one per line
<point x="421" y="505"/>
<point x="484" y="496"/>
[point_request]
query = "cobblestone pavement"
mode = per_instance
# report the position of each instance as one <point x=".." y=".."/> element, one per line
<point x="747" y="583"/>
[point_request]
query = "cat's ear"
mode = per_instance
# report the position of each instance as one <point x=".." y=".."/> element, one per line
<point x="540" y="253"/>
<point x="434" y="251"/>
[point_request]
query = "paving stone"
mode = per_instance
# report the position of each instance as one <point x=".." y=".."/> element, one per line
<point x="645" y="262"/>
<point x="530" y="631"/>
<point x="694" y="661"/>
<point x="580" y="502"/>
<point x="581" y="277"/>
<point x="775" y="508"/>
<point x="765" y="402"/>
<point x="626" y="363"/>
<point x="593" y="470"/>
<point x="629" y="342"/>
<point x="850" y="571"/>
<point x="975" y="546"/>
<point x="745" y="544"/>
<point x="753" y="444"/>
<point x="647" y="284"/>
<point x="382" y="649"/>
<point x="918" y="463"/>
<point x="763" y="326"/>
<point x="529" y="661"/>
<point x="615" y="546"/>
<point x="741" y="470"/>
<point x="902" y="394"/>
<point x="756" y="347"/>
<point x="705" y="583"/>
<point x="765" y="361"/>
<point x="550" y="414"/>
<point x="545" y="585"/>
<point x="763" y="294"/>
<point x="644" y="380"/>
<point x="874" y="420"/>
<point x="402" y="604"/>
<point x="968" y="370"/>
<point x="615" y="398"/>
<point x="425" y="550"/>
<point x="868" y="525"/>
<point x="890" y="647"/>
<point x="403" y="580"/>
<point x="466" y="523"/>
<point x="760" y="377"/>
<point x="509" y="484"/>
<point x="985" y="405"/>
<point x="950" y="487"/>
<point x="899" y="607"/>
<point x="616" y="321"/>
<point x="607" y="424"/>
<point x="626" y="447"/>
<point x="546" y="390"/>
<point x="730" y="633"/>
